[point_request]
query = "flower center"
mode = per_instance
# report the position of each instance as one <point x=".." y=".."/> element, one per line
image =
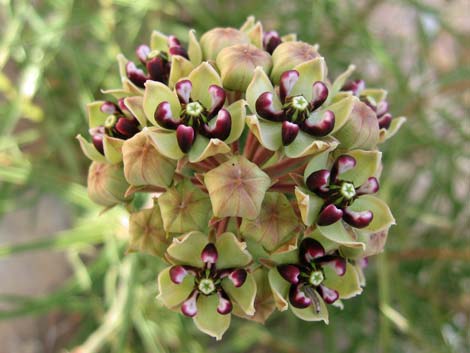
<point x="316" y="278"/>
<point x="194" y="109"/>
<point x="206" y="286"/>
<point x="348" y="190"/>
<point x="299" y="103"/>
<point x="110" y="121"/>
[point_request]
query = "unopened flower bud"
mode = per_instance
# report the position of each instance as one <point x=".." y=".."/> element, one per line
<point x="237" y="64"/>
<point x="213" y="41"/>
<point x="106" y="184"/>
<point x="288" y="55"/>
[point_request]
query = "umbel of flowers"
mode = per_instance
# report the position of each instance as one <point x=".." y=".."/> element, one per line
<point x="246" y="169"/>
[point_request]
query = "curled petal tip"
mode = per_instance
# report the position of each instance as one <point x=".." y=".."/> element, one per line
<point x="289" y="132"/>
<point x="185" y="136"/>
<point x="238" y="277"/>
<point x="385" y="121"/>
<point x="135" y="75"/>
<point x="290" y="273"/>
<point x="209" y="254"/>
<point x="330" y="214"/>
<point x="265" y="107"/>
<point x="142" y="53"/>
<point x="322" y="127"/>
<point x="358" y="219"/>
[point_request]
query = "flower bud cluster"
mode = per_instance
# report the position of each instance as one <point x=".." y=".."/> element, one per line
<point x="261" y="174"/>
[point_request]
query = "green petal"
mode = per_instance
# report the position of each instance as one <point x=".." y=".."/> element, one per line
<point x="194" y="49"/>
<point x="276" y="223"/>
<point x="340" y="81"/>
<point x="337" y="233"/>
<point x="280" y="289"/>
<point x="201" y="78"/>
<point x="208" y="320"/>
<point x="309" y="206"/>
<point x="117" y="93"/>
<point x="146" y="232"/>
<point x="204" y="148"/>
<point x="232" y="252"/>
<point x="348" y="285"/>
<point x="112" y="149"/>
<point x="155" y="93"/>
<point x="244" y="296"/>
<point x="135" y="105"/>
<point x="144" y="165"/>
<point x="159" y="41"/>
<point x="367" y="165"/>
<point x="237" y="112"/>
<point x="186" y="249"/>
<point x="237" y="188"/>
<point x="382" y="219"/>
<point x="309" y="313"/>
<point x="309" y="72"/>
<point x="171" y="294"/>
<point x="376" y="94"/>
<point x="291" y="37"/>
<point x="268" y="133"/>
<point x="127" y="85"/>
<point x="185" y="208"/>
<point x="165" y="142"/>
<point x="304" y="145"/>
<point x="89" y="150"/>
<point x="95" y="116"/>
<point x="318" y="162"/>
<point x="180" y="67"/>
<point x="259" y="84"/>
<point x="286" y="255"/>
<point x="396" y="124"/>
<point x="255" y="34"/>
<point x="342" y="110"/>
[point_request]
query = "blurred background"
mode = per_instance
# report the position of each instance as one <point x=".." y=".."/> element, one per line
<point x="64" y="279"/>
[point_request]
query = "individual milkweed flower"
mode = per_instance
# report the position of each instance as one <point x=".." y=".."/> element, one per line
<point x="207" y="280"/>
<point x="193" y="118"/>
<point x="294" y="115"/>
<point x="110" y="125"/>
<point x="309" y="277"/>
<point x="376" y="99"/>
<point x="338" y="196"/>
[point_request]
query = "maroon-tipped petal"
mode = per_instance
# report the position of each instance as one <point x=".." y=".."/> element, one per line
<point x="342" y="164"/>
<point x="97" y="135"/>
<point x="265" y="108"/>
<point x="318" y="181"/>
<point x="329" y="295"/>
<point x="385" y="121"/>
<point x="286" y="83"/>
<point x="179" y="50"/>
<point x="271" y="40"/>
<point x="320" y="94"/>
<point x="109" y="108"/>
<point x="222" y="127"/>
<point x="310" y="249"/>
<point x="363" y="263"/>
<point x="142" y="53"/>
<point x="177" y="274"/>
<point x="135" y="75"/>
<point x="225" y="305"/>
<point x="157" y="69"/>
<point x="185" y="136"/>
<point x="173" y="41"/>
<point x="290" y="273"/>
<point x="382" y="108"/>
<point x="183" y="90"/>
<point x="358" y="219"/>
<point x="123" y="106"/>
<point x="189" y="307"/>
<point x="126" y="127"/>
<point x="238" y="277"/>
<point x="356" y="86"/>
<point x="289" y="132"/>
<point x="209" y="254"/>
<point x="338" y="263"/>
<point x="329" y="215"/>
<point x="298" y="298"/>
<point x="370" y="186"/>
<point x="164" y="116"/>
<point x="320" y="127"/>
<point x="218" y="96"/>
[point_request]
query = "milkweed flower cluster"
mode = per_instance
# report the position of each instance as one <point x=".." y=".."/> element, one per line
<point x="261" y="172"/>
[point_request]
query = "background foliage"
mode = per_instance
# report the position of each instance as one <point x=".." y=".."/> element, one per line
<point x="55" y="55"/>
